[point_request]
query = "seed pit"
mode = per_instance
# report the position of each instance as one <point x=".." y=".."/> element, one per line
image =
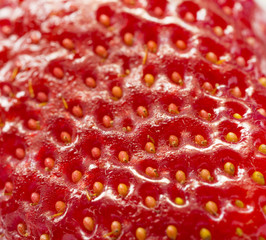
<point x="235" y="107"/>
<point x="150" y="36"/>
<point x="175" y="71"/>
<point x="157" y="8"/>
<point x="173" y="193"/>
<point x="149" y="75"/>
<point x="76" y="107"/>
<point x="90" y="144"/>
<point x="104" y="115"/>
<point x="232" y="129"/>
<point x="130" y="26"/>
<point x="100" y="44"/>
<point x="46" y="156"/>
<point x="205" y="108"/>
<point x="104" y="16"/>
<point x="14" y="145"/>
<point x="180" y="37"/>
<point x="148" y="163"/>
<point x="140" y="100"/>
<point x="259" y="142"/>
<point x="214" y="20"/>
<point x="242" y="57"/>
<point x="260" y="98"/>
<point x="62" y="129"/>
<point x="236" y="82"/>
<point x="188" y="11"/>
<point x="205" y="74"/>
<point x="208" y="45"/>
<point x="150" y="190"/>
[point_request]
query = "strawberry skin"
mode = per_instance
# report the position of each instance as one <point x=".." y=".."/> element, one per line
<point x="132" y="119"/>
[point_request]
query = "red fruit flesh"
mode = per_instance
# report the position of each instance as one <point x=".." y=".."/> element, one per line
<point x="132" y="119"/>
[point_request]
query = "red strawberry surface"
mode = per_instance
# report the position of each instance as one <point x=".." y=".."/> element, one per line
<point x="133" y="119"/>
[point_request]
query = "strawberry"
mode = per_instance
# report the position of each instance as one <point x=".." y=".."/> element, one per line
<point x="132" y="119"/>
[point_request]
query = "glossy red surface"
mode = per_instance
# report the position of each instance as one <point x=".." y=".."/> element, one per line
<point x="90" y="148"/>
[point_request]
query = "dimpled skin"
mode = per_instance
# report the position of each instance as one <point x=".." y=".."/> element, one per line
<point x="132" y="120"/>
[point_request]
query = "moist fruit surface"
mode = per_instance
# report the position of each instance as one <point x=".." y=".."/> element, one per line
<point x="133" y="119"/>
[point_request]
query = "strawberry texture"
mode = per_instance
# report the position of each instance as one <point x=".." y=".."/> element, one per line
<point x="132" y="119"/>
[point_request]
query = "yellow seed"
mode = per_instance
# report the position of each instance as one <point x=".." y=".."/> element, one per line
<point x="229" y="168"/>
<point x="123" y="157"/>
<point x="231" y="137"/>
<point x="261" y="238"/>
<point x="44" y="237"/>
<point x="117" y="92"/>
<point x="76" y="176"/>
<point x="181" y="44"/>
<point x="258" y="178"/>
<point x="239" y="203"/>
<point x="264" y="209"/>
<point x="180" y="176"/>
<point x="141" y="233"/>
<point x="211" y="207"/>
<point x="171" y="232"/>
<point x="152" y="46"/>
<point x="212" y="57"/>
<point x="200" y="140"/>
<point x="236" y="92"/>
<point x="218" y="31"/>
<point x="22" y="229"/>
<point x="98" y="188"/>
<point x="122" y="189"/>
<point x="262" y="148"/>
<point x="205" y="175"/>
<point x="88" y="223"/>
<point x="142" y="112"/>
<point x="262" y="112"/>
<point x="128" y="39"/>
<point x="149" y="79"/>
<point x="179" y="201"/>
<point x="262" y="81"/>
<point x="150" y="202"/>
<point x="239" y="232"/>
<point x="149" y="147"/>
<point x="205" y="234"/>
<point x="101" y="51"/>
<point x="104" y="20"/>
<point x="60" y="206"/>
<point x="237" y="116"/>
<point x="116" y="228"/>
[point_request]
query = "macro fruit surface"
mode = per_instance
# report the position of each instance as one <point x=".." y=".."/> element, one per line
<point x="133" y="119"/>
